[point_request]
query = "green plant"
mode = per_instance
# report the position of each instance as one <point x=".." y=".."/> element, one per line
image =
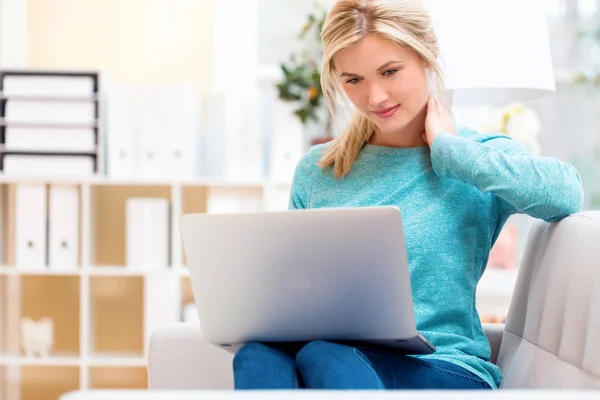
<point x="591" y="35"/>
<point x="301" y="83"/>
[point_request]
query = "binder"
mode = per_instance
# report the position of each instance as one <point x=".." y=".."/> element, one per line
<point x="231" y="135"/>
<point x="51" y="123"/>
<point x="48" y="86"/>
<point x="50" y="112"/>
<point x="243" y="135"/>
<point x="30" y="226"/>
<point x="39" y="164"/>
<point x="134" y="233"/>
<point x="181" y="112"/>
<point x="46" y="139"/>
<point x="147" y="233"/>
<point x="63" y="240"/>
<point x="153" y="131"/>
<point x="159" y="219"/>
<point x="121" y="145"/>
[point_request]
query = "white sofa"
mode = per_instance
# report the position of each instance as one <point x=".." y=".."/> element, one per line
<point x="551" y="338"/>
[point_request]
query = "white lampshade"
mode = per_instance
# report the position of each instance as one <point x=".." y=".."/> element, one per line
<point x="493" y="51"/>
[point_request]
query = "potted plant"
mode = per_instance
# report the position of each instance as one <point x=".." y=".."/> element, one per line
<point x="590" y="38"/>
<point x="301" y="83"/>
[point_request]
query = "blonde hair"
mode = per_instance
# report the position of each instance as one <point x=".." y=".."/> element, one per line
<point x="405" y="22"/>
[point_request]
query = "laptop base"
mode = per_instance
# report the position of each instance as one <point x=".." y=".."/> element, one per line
<point x="415" y="345"/>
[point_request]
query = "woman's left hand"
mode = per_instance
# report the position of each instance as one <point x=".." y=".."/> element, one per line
<point x="438" y="120"/>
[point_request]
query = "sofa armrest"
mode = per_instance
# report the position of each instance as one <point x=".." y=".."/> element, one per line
<point x="494" y="335"/>
<point x="178" y="358"/>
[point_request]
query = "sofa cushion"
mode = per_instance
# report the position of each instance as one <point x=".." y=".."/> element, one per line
<point x="552" y="331"/>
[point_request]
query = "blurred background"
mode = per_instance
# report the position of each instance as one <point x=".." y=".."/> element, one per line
<point x="119" y="116"/>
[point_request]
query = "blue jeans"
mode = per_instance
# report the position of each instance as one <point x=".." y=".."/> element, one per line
<point x="327" y="365"/>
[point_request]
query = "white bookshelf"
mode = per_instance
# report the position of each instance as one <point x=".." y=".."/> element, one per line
<point x="99" y="307"/>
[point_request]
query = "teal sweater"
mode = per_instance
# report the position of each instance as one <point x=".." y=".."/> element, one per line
<point x="454" y="199"/>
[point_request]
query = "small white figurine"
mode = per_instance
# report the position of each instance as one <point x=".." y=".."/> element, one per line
<point x="37" y="337"/>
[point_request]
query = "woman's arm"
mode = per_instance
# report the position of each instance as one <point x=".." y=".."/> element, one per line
<point x="542" y="187"/>
<point x="301" y="189"/>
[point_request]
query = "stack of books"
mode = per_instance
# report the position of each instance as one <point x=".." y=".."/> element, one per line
<point x="49" y="123"/>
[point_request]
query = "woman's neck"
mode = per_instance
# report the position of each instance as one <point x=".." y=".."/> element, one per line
<point x="409" y="136"/>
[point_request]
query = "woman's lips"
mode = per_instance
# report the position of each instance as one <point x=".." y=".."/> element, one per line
<point x="386" y="112"/>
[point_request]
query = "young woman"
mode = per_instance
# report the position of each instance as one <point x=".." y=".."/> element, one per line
<point x="456" y="189"/>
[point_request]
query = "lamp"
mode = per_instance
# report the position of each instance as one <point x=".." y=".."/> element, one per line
<point x="493" y="51"/>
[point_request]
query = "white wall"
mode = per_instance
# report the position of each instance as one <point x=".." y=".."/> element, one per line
<point x="13" y="32"/>
<point x="139" y="41"/>
<point x="280" y="24"/>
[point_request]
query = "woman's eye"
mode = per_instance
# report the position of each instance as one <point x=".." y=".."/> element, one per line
<point x="353" y="81"/>
<point x="390" y="72"/>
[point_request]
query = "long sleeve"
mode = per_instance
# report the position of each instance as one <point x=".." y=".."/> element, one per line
<point x="301" y="185"/>
<point x="542" y="187"/>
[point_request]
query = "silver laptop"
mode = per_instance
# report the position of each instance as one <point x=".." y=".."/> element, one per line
<point x="337" y="274"/>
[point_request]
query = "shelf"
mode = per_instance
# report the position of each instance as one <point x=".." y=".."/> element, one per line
<point x="9" y="270"/>
<point x="96" y="360"/>
<point x="58" y="298"/>
<point x="148" y="181"/>
<point x="48" y="179"/>
<point x="117" y="360"/>
<point x="119" y="377"/>
<point x="113" y="271"/>
<point x="117" y="315"/>
<point x="93" y="271"/>
<point x="48" y="382"/>
<point x="91" y="98"/>
<point x="121" y="271"/>
<point x="126" y="271"/>
<point x="108" y="212"/>
<point x="51" y="361"/>
<point x="141" y="181"/>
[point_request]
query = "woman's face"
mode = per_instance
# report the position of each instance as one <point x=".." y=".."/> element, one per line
<point x="386" y="82"/>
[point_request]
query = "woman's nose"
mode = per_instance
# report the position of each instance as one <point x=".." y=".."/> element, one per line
<point x="378" y="95"/>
